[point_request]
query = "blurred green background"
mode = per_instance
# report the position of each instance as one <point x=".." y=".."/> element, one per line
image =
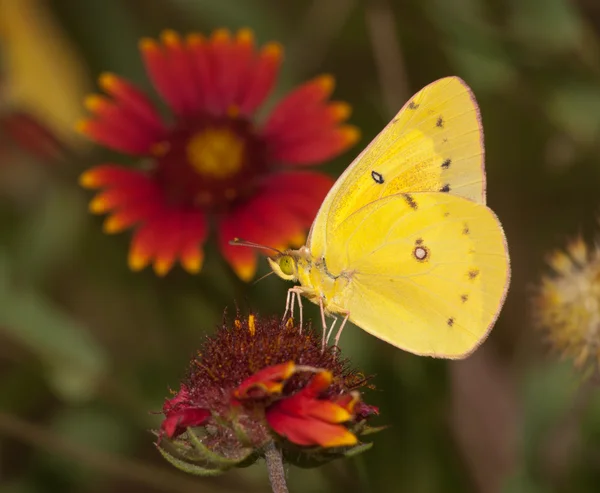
<point x="88" y="348"/>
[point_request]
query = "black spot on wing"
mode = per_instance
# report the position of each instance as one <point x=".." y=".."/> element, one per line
<point x="465" y="230"/>
<point x="464" y="297"/>
<point x="473" y="273"/>
<point x="412" y="105"/>
<point x="446" y="164"/>
<point x="410" y="201"/>
<point x="450" y="322"/>
<point x="445" y="188"/>
<point x="440" y="122"/>
<point x="377" y="177"/>
<point x="419" y="241"/>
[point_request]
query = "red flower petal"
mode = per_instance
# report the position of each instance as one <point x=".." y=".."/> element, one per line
<point x="159" y="69"/>
<point x="199" y="59"/>
<point x="167" y="246"/>
<point x="222" y="60"/>
<point x="303" y="99"/>
<point x="179" y="415"/>
<point x="131" y="215"/>
<point x="319" y="148"/>
<point x="306" y="420"/>
<point x="307" y="126"/>
<point x="277" y="216"/>
<point x="194" y="233"/>
<point x="134" y="101"/>
<point x="112" y="175"/>
<point x="178" y="57"/>
<point x="243" y="54"/>
<point x="261" y="78"/>
<point x="309" y="432"/>
<point x="301" y="192"/>
<point x="118" y="197"/>
<point x="176" y="423"/>
<point x="266" y="381"/>
<point x="113" y="134"/>
<point x="145" y="242"/>
<point x="253" y="221"/>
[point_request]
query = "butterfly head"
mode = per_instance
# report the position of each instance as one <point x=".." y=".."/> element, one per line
<point x="285" y="265"/>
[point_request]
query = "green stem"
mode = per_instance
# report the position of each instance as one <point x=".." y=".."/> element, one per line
<point x="275" y="467"/>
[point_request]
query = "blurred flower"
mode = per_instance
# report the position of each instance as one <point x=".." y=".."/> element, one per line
<point x="214" y="158"/>
<point x="260" y="381"/>
<point x="567" y="304"/>
<point x="43" y="76"/>
<point x="20" y="130"/>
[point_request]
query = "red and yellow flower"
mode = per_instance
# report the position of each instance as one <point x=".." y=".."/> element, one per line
<point x="260" y="381"/>
<point x="213" y="159"/>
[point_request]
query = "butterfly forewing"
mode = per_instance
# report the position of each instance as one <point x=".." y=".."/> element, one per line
<point x="435" y="143"/>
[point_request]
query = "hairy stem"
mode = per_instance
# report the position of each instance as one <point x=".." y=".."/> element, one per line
<point x="275" y="468"/>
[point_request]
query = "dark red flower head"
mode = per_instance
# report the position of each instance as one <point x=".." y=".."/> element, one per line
<point x="260" y="381"/>
<point x="213" y="158"/>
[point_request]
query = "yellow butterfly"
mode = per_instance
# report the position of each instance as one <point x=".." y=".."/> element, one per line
<point x="403" y="245"/>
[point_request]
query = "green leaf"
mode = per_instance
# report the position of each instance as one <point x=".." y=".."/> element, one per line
<point x="50" y="235"/>
<point x="74" y="359"/>
<point x="359" y="449"/>
<point x="189" y="468"/>
<point x="547" y="396"/>
<point x="204" y="453"/>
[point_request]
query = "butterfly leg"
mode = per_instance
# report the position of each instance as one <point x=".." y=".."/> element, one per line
<point x="324" y="323"/>
<point x="290" y="302"/>
<point x="330" y="331"/>
<point x="339" y="332"/>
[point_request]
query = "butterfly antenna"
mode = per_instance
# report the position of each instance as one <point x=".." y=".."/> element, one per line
<point x="240" y="242"/>
<point x="261" y="278"/>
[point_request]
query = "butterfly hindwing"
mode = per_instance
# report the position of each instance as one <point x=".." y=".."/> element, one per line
<point x="428" y="271"/>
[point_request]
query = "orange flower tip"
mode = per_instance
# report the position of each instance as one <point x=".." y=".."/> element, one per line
<point x="340" y="110"/>
<point x="339" y="414"/>
<point x="245" y="36"/>
<point x="108" y="80"/>
<point x="88" y="179"/>
<point x="112" y="226"/>
<point x="137" y="261"/>
<point x="289" y="370"/>
<point x="83" y="126"/>
<point x="245" y="271"/>
<point x="148" y="44"/>
<point x="273" y="50"/>
<point x="221" y="35"/>
<point x="170" y="37"/>
<point x="342" y="440"/>
<point x="326" y="82"/>
<point x="350" y="135"/>
<point x="192" y="263"/>
<point x="195" y="39"/>
<point x="98" y="205"/>
<point x="94" y="102"/>
<point x="162" y="267"/>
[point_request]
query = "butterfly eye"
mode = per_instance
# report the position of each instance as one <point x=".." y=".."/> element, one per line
<point x="286" y="264"/>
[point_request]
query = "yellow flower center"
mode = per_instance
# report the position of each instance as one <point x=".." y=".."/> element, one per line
<point x="216" y="152"/>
